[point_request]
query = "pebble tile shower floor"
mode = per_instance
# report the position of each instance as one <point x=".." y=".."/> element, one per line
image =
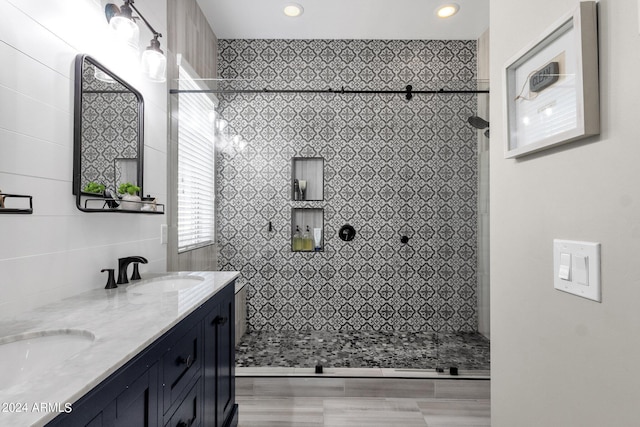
<point x="363" y="349"/>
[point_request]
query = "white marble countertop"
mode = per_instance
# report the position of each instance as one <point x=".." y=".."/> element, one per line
<point x="124" y="323"/>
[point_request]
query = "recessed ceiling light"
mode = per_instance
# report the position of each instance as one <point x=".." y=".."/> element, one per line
<point x="293" y="10"/>
<point x="447" y="10"/>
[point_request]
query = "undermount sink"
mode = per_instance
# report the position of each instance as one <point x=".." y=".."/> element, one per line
<point x="27" y="354"/>
<point x="165" y="284"/>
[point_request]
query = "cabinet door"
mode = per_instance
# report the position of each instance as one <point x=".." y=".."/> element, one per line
<point x="226" y="360"/>
<point x="220" y="360"/>
<point x="189" y="412"/>
<point x="135" y="404"/>
<point x="138" y="405"/>
<point x="181" y="363"/>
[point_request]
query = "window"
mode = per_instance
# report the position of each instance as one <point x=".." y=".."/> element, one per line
<point x="196" y="173"/>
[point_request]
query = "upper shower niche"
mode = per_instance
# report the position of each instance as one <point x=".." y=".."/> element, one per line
<point x="108" y="140"/>
<point x="307" y="179"/>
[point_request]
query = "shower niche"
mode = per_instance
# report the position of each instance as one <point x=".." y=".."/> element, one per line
<point x="307" y="230"/>
<point x="307" y="179"/>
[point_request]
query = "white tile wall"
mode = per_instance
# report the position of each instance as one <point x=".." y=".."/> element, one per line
<point x="59" y="251"/>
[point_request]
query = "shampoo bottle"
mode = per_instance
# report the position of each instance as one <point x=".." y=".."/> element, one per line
<point x="317" y="239"/>
<point x="297" y="240"/>
<point x="296" y="190"/>
<point x="307" y="241"/>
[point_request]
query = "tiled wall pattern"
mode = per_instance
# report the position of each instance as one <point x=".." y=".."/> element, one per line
<point x="392" y="168"/>
<point x="109" y="129"/>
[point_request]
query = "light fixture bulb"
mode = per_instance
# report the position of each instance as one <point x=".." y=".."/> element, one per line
<point x="102" y="76"/>
<point x="154" y="63"/>
<point x="125" y="27"/>
<point x="447" y="10"/>
<point x="293" y="9"/>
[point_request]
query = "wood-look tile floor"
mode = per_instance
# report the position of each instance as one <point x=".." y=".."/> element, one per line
<point x="365" y="412"/>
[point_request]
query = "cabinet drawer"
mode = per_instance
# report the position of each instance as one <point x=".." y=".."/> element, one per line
<point x="189" y="412"/>
<point x="180" y="364"/>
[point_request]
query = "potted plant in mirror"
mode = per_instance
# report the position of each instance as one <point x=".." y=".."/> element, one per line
<point x="94" y="188"/>
<point x="130" y="200"/>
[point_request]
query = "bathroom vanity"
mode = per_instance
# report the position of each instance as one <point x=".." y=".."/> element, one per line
<point x="162" y="354"/>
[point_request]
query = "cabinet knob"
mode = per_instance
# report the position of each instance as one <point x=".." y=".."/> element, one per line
<point x="187" y="423"/>
<point x="185" y="361"/>
<point x="219" y="320"/>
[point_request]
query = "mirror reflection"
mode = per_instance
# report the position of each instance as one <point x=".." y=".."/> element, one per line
<point x="108" y="134"/>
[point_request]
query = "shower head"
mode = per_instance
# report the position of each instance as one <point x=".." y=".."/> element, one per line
<point x="477" y="122"/>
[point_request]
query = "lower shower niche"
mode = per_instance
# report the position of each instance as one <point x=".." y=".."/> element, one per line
<point x="307" y="230"/>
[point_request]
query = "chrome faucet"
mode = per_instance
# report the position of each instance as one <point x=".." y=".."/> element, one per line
<point x="123" y="263"/>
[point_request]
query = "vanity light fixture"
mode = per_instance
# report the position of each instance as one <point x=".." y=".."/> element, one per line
<point x="122" y="22"/>
<point x="293" y="10"/>
<point x="447" y="10"/>
<point x="154" y="63"/>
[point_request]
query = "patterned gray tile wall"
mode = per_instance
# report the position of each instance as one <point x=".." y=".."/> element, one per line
<point x="109" y="129"/>
<point x="392" y="167"/>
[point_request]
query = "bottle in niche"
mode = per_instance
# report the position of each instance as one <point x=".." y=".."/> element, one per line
<point x="302" y="184"/>
<point x="307" y="241"/>
<point x="297" y="239"/>
<point x="296" y="190"/>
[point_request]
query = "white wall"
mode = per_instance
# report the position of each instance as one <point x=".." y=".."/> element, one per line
<point x="59" y="251"/>
<point x="557" y="359"/>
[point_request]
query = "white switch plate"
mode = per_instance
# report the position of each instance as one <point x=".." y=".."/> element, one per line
<point x="164" y="234"/>
<point x="586" y="253"/>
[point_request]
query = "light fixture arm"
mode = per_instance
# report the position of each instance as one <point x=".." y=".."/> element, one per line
<point x="155" y="33"/>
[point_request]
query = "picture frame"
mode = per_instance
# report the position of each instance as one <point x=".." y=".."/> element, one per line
<point x="551" y="86"/>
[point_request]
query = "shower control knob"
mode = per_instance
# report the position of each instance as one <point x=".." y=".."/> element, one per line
<point x="404" y="240"/>
<point x="347" y="233"/>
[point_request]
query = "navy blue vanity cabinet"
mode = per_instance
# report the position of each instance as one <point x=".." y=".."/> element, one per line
<point x="190" y="411"/>
<point x="180" y="365"/>
<point x="118" y="401"/>
<point x="219" y="353"/>
<point x="186" y="378"/>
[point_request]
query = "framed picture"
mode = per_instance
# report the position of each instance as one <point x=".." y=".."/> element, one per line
<point x="551" y="86"/>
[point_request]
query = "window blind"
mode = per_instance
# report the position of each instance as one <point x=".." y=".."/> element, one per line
<point x="196" y="173"/>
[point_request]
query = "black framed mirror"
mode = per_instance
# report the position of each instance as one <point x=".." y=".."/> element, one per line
<point x="108" y="138"/>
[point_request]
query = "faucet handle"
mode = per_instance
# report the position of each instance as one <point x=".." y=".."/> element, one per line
<point x="136" y="274"/>
<point x="111" y="282"/>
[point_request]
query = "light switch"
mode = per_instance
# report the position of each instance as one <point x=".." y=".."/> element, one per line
<point x="581" y="270"/>
<point x="164" y="234"/>
<point x="576" y="268"/>
<point x="565" y="267"/>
